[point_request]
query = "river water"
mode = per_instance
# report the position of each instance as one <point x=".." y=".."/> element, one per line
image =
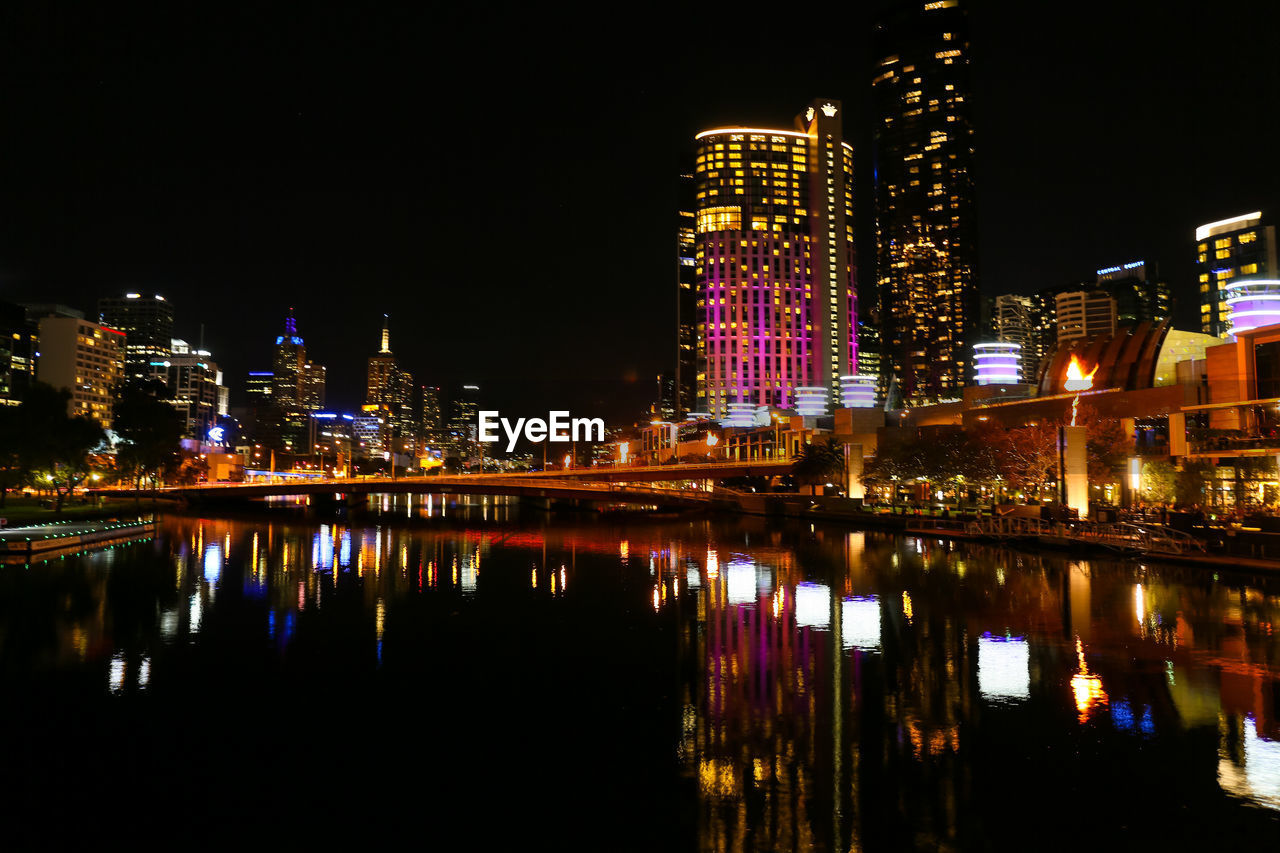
<point x="483" y="677"/>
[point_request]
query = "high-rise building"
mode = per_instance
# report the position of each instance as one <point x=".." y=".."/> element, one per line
<point x="1231" y="248"/>
<point x="288" y="366"/>
<point x="463" y="426"/>
<point x="686" y="379"/>
<point x="1085" y="314"/>
<point x="85" y="358"/>
<point x="311" y="386"/>
<point x="1141" y="295"/>
<point x="389" y="390"/>
<point x="147" y="322"/>
<point x="195" y="382"/>
<point x="774" y="263"/>
<point x="926" y="242"/>
<point x="432" y="416"/>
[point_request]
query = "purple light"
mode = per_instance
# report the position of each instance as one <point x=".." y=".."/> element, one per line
<point x="1254" y="303"/>
<point x="997" y="363"/>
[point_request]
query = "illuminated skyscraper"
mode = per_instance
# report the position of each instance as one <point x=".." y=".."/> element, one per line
<point x="923" y="149"/>
<point x="147" y="322"/>
<point x="774" y="262"/>
<point x="288" y="365"/>
<point x="389" y="391"/>
<point x="1239" y="246"/>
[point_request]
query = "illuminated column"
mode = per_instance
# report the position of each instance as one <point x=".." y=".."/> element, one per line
<point x="740" y="415"/>
<point x="1073" y="468"/>
<point x="853" y="471"/>
<point x="811" y="401"/>
<point x="858" y="392"/>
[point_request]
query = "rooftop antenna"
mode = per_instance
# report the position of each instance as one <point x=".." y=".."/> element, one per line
<point x="386" y="335"/>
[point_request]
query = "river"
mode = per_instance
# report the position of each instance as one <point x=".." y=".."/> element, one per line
<point x="483" y="676"/>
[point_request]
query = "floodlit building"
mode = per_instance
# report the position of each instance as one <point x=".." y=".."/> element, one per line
<point x="1227" y="250"/>
<point x="85" y="358"/>
<point x="1085" y="314"/>
<point x="774" y="262"/>
<point x="195" y="382"/>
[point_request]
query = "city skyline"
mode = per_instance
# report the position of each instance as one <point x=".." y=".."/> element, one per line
<point x="277" y="176"/>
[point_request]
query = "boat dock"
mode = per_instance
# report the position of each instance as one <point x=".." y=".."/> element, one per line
<point x="21" y="544"/>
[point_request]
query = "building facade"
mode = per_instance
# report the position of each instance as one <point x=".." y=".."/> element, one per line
<point x="18" y="347"/>
<point x="686" y="377"/>
<point x="774" y="262"/>
<point x="1014" y="320"/>
<point x="1141" y="295"/>
<point x="1085" y="314"/>
<point x="1228" y="249"/>
<point x="926" y="244"/>
<point x="147" y="322"/>
<point x="85" y="358"/>
<point x="195" y="383"/>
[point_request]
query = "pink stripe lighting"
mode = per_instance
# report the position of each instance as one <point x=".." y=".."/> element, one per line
<point x="997" y="363"/>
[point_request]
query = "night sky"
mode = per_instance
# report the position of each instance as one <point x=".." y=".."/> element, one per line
<point x="501" y="180"/>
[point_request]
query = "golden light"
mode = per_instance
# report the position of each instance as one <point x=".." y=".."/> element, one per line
<point x="1077" y="379"/>
<point x="1086" y="687"/>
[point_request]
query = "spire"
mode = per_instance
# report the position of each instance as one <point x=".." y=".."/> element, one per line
<point x="290" y="325"/>
<point x="386" y="336"/>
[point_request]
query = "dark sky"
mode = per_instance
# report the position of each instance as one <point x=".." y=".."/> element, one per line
<point x="500" y="180"/>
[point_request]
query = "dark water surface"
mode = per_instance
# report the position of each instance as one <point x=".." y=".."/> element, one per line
<point x="470" y="677"/>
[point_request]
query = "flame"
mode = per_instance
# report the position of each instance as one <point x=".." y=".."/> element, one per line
<point x="1077" y="379"/>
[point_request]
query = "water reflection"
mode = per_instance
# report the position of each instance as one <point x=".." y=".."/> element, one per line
<point x="818" y="689"/>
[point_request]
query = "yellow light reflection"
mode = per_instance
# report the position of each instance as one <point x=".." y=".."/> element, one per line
<point x="1086" y="687"/>
<point x="906" y="606"/>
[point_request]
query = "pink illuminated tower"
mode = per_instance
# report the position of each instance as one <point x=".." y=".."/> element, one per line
<point x="775" y="263"/>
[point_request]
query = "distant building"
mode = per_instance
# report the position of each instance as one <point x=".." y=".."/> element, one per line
<point x="389" y="390"/>
<point x="1141" y="295"/>
<point x="18" y="347"/>
<point x="432" y="416"/>
<point x="311" y="385"/>
<point x="196" y="384"/>
<point x="288" y="366"/>
<point x="1085" y="314"/>
<point x="463" y="426"/>
<point x="147" y="322"/>
<point x="1226" y="250"/>
<point x="85" y="358"/>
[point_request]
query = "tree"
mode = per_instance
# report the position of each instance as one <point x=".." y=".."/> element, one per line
<point x="56" y="446"/>
<point x="1108" y="445"/>
<point x="149" y="429"/>
<point x="819" y="461"/>
<point x="1027" y="456"/>
<point x="1159" y="481"/>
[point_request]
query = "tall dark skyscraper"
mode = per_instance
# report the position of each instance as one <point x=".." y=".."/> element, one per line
<point x="923" y="150"/>
<point x="289" y="365"/>
<point x="773" y="249"/>
<point x="147" y="322"/>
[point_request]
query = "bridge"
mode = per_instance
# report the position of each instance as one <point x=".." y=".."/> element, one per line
<point x="673" y="486"/>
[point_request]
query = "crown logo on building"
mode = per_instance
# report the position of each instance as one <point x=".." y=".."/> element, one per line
<point x="808" y="114"/>
<point x="829" y="109"/>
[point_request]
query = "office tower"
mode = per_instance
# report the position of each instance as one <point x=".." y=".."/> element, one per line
<point x="1085" y="314"/>
<point x="1141" y="295"/>
<point x="195" y="382"/>
<point x="463" y="424"/>
<point x="432" y="424"/>
<point x="85" y="358"/>
<point x="923" y="152"/>
<point x="311" y="386"/>
<point x="18" y="346"/>
<point x="1230" y="248"/>
<point x="147" y="322"/>
<point x="686" y="379"/>
<point x="288" y="366"/>
<point x="389" y="391"/>
<point x="774" y="262"/>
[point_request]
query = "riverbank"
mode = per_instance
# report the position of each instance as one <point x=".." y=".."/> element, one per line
<point x="25" y="511"/>
<point x="1224" y="548"/>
